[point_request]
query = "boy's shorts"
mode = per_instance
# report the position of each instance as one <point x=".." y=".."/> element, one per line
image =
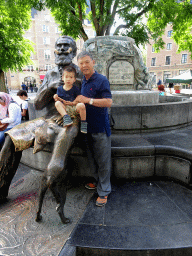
<point x="72" y="112"/>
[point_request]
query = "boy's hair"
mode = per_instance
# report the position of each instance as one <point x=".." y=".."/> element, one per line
<point x="21" y="93"/>
<point x="84" y="54"/>
<point x="71" y="70"/>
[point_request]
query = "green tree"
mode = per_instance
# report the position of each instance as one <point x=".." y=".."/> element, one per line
<point x="179" y="14"/>
<point x="15" y="51"/>
<point x="103" y="14"/>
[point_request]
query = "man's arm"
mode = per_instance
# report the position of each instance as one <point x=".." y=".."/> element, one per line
<point x="102" y="103"/>
<point x="24" y="112"/>
<point x="24" y="108"/>
<point x="13" y="112"/>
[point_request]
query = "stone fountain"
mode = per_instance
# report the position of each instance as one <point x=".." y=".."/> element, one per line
<point x="120" y="60"/>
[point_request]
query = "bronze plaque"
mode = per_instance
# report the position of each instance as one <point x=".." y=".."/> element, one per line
<point x="121" y="72"/>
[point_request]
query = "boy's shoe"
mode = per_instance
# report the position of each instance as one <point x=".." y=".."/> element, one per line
<point x="67" y="120"/>
<point x="83" y="127"/>
<point x="101" y="200"/>
<point x="90" y="186"/>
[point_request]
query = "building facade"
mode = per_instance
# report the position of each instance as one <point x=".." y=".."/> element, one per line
<point x="167" y="63"/>
<point x="43" y="33"/>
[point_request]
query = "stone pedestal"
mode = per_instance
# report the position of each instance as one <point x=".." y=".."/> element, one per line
<point x="120" y="60"/>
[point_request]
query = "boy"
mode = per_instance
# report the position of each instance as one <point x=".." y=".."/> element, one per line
<point x="24" y="106"/>
<point x="66" y="96"/>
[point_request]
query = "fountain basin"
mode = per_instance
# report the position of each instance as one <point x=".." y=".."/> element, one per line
<point x="134" y="155"/>
<point x="148" y="118"/>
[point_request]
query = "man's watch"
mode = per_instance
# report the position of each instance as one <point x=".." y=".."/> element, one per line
<point x="91" y="102"/>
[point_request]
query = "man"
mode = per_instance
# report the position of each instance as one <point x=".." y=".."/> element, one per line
<point x="96" y="95"/>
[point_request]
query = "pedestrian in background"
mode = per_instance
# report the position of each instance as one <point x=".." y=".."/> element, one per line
<point x="24" y="105"/>
<point x="161" y="89"/>
<point x="170" y="87"/>
<point x="159" y="82"/>
<point x="23" y="86"/>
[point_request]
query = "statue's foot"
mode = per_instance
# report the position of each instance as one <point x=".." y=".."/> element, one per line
<point x="64" y="220"/>
<point x="38" y="218"/>
<point x="3" y="199"/>
<point x="3" y="195"/>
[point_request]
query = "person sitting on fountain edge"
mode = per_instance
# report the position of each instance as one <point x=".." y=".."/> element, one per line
<point x="24" y="105"/>
<point x="65" y="98"/>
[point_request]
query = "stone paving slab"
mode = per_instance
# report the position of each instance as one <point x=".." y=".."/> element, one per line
<point x="141" y="218"/>
<point x="20" y="234"/>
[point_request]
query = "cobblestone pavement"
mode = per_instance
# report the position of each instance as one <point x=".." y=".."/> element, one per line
<point x="20" y="234"/>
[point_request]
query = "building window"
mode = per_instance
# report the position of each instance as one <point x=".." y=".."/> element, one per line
<point x="154" y="77"/>
<point x="153" y="60"/>
<point x="57" y="30"/>
<point x="48" y="67"/>
<point x="169" y="46"/>
<point x="45" y="28"/>
<point x="88" y="32"/>
<point x="46" y="40"/>
<point x="182" y="71"/>
<point x="47" y="17"/>
<point x="153" y="49"/>
<point x="168" y="60"/>
<point x="86" y="22"/>
<point x="27" y="37"/>
<point x="166" y="75"/>
<point x="184" y="58"/>
<point x="169" y="33"/>
<point x="47" y="54"/>
<point x="30" y="68"/>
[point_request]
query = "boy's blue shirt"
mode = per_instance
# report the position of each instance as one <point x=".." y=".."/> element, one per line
<point x="69" y="95"/>
<point x="97" y="87"/>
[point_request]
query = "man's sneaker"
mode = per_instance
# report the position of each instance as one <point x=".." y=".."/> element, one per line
<point x="101" y="200"/>
<point x="67" y="120"/>
<point x="83" y="127"/>
<point x="90" y="186"/>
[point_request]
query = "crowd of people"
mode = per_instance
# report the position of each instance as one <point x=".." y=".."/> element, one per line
<point x="28" y="86"/>
<point x="161" y="88"/>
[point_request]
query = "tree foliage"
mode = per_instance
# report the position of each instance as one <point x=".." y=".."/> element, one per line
<point x="179" y="14"/>
<point x="103" y="14"/>
<point x="15" y="18"/>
